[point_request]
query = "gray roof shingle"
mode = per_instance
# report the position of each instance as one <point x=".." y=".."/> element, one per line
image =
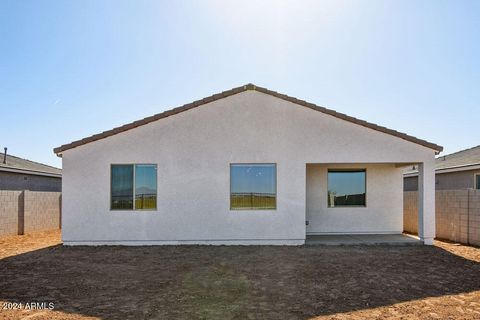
<point x="28" y="166"/>
<point x="461" y="158"/>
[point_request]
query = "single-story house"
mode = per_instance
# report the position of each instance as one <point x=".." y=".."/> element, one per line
<point x="22" y="174"/>
<point x="245" y="166"/>
<point x="459" y="170"/>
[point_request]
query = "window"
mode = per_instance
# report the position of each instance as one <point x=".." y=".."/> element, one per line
<point x="346" y="188"/>
<point x="477" y="181"/>
<point x="129" y="182"/>
<point x="253" y="186"/>
<point x="122" y="186"/>
<point x="145" y="186"/>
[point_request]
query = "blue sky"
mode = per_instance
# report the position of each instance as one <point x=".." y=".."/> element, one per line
<point x="253" y="178"/>
<point x="346" y="183"/>
<point x="69" y="69"/>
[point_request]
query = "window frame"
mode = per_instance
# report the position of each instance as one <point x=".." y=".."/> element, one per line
<point x="348" y="170"/>
<point x="251" y="164"/>
<point x="134" y="186"/>
<point x="475" y="177"/>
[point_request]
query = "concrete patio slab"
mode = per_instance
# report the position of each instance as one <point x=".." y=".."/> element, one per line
<point x="363" y="239"/>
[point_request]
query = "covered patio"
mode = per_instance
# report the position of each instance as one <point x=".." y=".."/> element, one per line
<point x="362" y="203"/>
<point x="363" y="239"/>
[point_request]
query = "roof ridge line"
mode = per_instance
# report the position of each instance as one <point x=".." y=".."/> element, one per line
<point x="233" y="91"/>
<point x="346" y="117"/>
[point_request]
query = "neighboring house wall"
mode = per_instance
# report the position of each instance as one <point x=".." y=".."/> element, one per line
<point x="410" y="183"/>
<point x="457" y="215"/>
<point x="20" y="181"/>
<point x="382" y="214"/>
<point x="27" y="211"/>
<point x="193" y="151"/>
<point x="456" y="180"/>
<point x="446" y="181"/>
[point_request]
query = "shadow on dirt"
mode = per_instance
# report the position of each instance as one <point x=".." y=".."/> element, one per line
<point x="231" y="282"/>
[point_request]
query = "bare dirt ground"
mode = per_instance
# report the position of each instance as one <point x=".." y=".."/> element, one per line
<point x="194" y="282"/>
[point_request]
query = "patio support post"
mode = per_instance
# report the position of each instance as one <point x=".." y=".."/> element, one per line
<point x="426" y="202"/>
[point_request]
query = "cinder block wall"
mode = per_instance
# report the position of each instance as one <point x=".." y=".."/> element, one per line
<point x="11" y="208"/>
<point x="457" y="216"/>
<point x="410" y="211"/>
<point x="42" y="211"/>
<point x="27" y="211"/>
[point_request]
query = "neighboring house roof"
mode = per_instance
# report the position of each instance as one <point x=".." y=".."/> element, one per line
<point x="19" y="165"/>
<point x="234" y="91"/>
<point x="467" y="159"/>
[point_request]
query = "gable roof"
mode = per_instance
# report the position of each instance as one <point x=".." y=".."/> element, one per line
<point x="16" y="164"/>
<point x="457" y="161"/>
<point x="465" y="157"/>
<point x="234" y="91"/>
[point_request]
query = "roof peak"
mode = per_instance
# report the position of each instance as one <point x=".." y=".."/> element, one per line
<point x="224" y="94"/>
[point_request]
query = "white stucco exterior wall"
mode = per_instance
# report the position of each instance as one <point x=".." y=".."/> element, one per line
<point x="193" y="151"/>
<point x="426" y="201"/>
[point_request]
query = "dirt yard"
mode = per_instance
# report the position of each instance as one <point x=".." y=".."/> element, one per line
<point x="191" y="282"/>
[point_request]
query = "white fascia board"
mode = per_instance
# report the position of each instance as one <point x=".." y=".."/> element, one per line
<point x="32" y="172"/>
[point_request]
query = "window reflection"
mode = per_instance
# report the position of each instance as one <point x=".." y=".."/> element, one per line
<point x="129" y="182"/>
<point x="122" y="186"/>
<point x="145" y="186"/>
<point x="346" y="188"/>
<point x="253" y="186"/>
